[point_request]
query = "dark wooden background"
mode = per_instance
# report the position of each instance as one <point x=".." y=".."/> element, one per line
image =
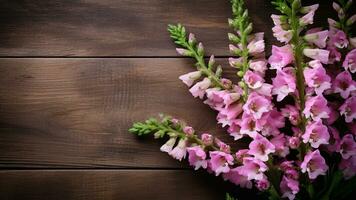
<point x="76" y="74"/>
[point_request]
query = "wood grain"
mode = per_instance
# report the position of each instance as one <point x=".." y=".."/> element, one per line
<point x="113" y="184"/>
<point x="76" y="112"/>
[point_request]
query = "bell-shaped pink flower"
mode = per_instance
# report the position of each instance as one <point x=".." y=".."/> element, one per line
<point x="260" y="148"/>
<point x="270" y="123"/>
<point x="248" y="125"/>
<point x="316" y="108"/>
<point x="281" y="56"/>
<point x="253" y="80"/>
<point x="256" y="46"/>
<point x="317" y="78"/>
<point x="235" y="62"/>
<point x="197" y="157"/>
<point x="281" y="145"/>
<point x="339" y="39"/>
<point x="259" y="66"/>
<point x="232" y="111"/>
<point x="314" y="164"/>
<point x="289" y="187"/>
<point x="179" y="152"/>
<point x="292" y="113"/>
<point x="347" y="146"/>
<point x="256" y="105"/>
<point x="198" y="90"/>
<point x="189" y="78"/>
<point x="316" y="133"/>
<point x="350" y="61"/>
<point x="309" y="17"/>
<point x="334" y="141"/>
<point x="253" y="168"/>
<point x="284" y="83"/>
<point x="235" y="177"/>
<point x="348" y="109"/>
<point x="317" y="54"/>
<point x="344" y="84"/>
<point x="282" y="35"/>
<point x="220" y="162"/>
<point x="207" y="139"/>
<point x="318" y="38"/>
<point x="334" y="54"/>
<point x="234" y="129"/>
<point x="215" y="98"/>
<point x="348" y="167"/>
<point x="263" y="184"/>
<point x="168" y="146"/>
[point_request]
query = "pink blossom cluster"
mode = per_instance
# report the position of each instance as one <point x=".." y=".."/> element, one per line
<point x="293" y="121"/>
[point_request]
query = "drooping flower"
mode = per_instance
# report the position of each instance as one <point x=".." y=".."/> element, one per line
<point x="190" y="77"/>
<point x="318" y="38"/>
<point x="234" y="129"/>
<point x="259" y="66"/>
<point x="282" y="35"/>
<point x="334" y="141"/>
<point x="316" y="133"/>
<point x="348" y="167"/>
<point x="198" y="90"/>
<point x="347" y="146"/>
<point x="235" y="62"/>
<point x="215" y="98"/>
<point x="348" y="109"/>
<point x="344" y="84"/>
<point x="339" y="39"/>
<point x="308" y="18"/>
<point x="230" y="112"/>
<point x="248" y="126"/>
<point x="284" y="83"/>
<point x="350" y="61"/>
<point x="294" y="142"/>
<point x="292" y="113"/>
<point x="317" y="54"/>
<point x="235" y="177"/>
<point x="179" y="152"/>
<point x="253" y="80"/>
<point x="280" y="143"/>
<point x="270" y="123"/>
<point x="197" y="157"/>
<point x="260" y="148"/>
<point x="316" y="108"/>
<point x="253" y="168"/>
<point x="207" y="139"/>
<point x="317" y="78"/>
<point x="188" y="130"/>
<point x="289" y="187"/>
<point x="334" y="54"/>
<point x="263" y="184"/>
<point x="257" y="45"/>
<point x="281" y="56"/>
<point x="314" y="164"/>
<point x="256" y="105"/>
<point x="168" y="146"/>
<point x="220" y="162"/>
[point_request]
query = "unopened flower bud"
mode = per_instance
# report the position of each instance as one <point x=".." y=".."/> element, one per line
<point x="207" y="139"/>
<point x="296" y="4"/>
<point x="241" y="84"/>
<point x="233" y="38"/>
<point x="230" y="22"/>
<point x="211" y="61"/>
<point x="226" y="82"/>
<point x="188" y="130"/>
<point x="336" y="7"/>
<point x="191" y="39"/>
<point x="351" y="20"/>
<point x="240" y="73"/>
<point x="183" y="52"/>
<point x="200" y="49"/>
<point x="218" y="71"/>
<point x="248" y="30"/>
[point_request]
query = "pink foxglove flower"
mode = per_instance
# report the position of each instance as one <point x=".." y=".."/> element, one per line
<point x="260" y="148"/>
<point x="294" y="142"/>
<point x="284" y="83"/>
<point x="188" y="130"/>
<point x="256" y="46"/>
<point x="262" y="184"/>
<point x="348" y="109"/>
<point x="277" y="19"/>
<point x="344" y="84"/>
<point x="256" y="105"/>
<point x="292" y="113"/>
<point x="289" y="187"/>
<point x="280" y="143"/>
<point x="197" y="157"/>
<point x="231" y="112"/>
<point x="253" y="80"/>
<point x="317" y="78"/>
<point x="282" y="35"/>
<point x="234" y="62"/>
<point x="314" y="164"/>
<point x="350" y="61"/>
<point x="316" y="108"/>
<point x="179" y="152"/>
<point x="317" y="54"/>
<point x="318" y="38"/>
<point x="259" y="66"/>
<point x="334" y="141"/>
<point x="348" y="167"/>
<point x="235" y="177"/>
<point x="270" y="123"/>
<point x="334" y="54"/>
<point x="316" y="133"/>
<point x="215" y="98"/>
<point x="189" y="78"/>
<point x="347" y="146"/>
<point x="235" y="128"/>
<point x="253" y="168"/>
<point x="168" y="146"/>
<point x="220" y="162"/>
<point x="281" y="56"/>
<point x="339" y="39"/>
<point x="309" y="17"/>
<point x="198" y="90"/>
<point x="207" y="139"/>
<point x="265" y="90"/>
<point x="248" y="126"/>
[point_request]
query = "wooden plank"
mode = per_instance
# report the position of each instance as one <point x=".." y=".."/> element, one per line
<point x="113" y="184"/>
<point x="121" y="27"/>
<point x="76" y="112"/>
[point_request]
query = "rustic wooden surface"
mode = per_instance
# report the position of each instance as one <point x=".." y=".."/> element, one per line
<point x="76" y="74"/>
